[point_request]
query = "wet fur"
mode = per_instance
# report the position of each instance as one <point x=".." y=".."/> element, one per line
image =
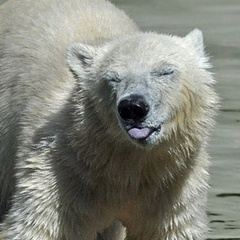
<point x="67" y="163"/>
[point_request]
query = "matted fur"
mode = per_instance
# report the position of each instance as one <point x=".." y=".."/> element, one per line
<point x="69" y="168"/>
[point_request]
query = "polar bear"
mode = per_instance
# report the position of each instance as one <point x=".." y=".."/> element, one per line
<point x="103" y="127"/>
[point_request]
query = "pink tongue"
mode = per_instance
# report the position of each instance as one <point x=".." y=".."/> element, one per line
<point x="139" y="133"/>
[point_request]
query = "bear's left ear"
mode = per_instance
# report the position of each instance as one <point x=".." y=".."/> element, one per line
<point x="80" y="58"/>
<point x="195" y="41"/>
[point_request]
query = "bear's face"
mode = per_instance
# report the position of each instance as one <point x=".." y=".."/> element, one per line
<point x="139" y="83"/>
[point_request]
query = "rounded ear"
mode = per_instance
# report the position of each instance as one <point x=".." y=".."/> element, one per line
<point x="195" y="40"/>
<point x="80" y="58"/>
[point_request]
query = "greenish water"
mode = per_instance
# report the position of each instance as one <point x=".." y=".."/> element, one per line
<point x="220" y="22"/>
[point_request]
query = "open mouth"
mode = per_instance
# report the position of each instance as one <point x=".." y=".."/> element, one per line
<point x="132" y="113"/>
<point x="141" y="133"/>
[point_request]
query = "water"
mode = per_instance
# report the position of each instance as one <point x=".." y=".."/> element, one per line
<point x="219" y="20"/>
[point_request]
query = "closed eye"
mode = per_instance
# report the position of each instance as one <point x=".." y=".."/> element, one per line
<point x="166" y="72"/>
<point x="115" y="79"/>
<point x="163" y="71"/>
<point x="112" y="77"/>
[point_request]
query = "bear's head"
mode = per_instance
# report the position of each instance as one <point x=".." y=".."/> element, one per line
<point x="148" y="88"/>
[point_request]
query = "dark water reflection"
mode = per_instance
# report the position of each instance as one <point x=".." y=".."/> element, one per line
<point x="220" y="21"/>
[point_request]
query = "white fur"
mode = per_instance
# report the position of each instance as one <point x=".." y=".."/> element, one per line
<point x="67" y="162"/>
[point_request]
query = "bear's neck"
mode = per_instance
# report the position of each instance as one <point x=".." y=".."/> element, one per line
<point x="98" y="157"/>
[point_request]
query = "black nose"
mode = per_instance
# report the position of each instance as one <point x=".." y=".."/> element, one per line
<point x="133" y="108"/>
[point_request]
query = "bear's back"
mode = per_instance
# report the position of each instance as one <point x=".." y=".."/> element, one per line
<point x="35" y="35"/>
<point x="34" y="79"/>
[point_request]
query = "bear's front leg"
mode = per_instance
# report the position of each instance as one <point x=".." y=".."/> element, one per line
<point x="29" y="226"/>
<point x="38" y="211"/>
<point x="166" y="220"/>
<point x="191" y="231"/>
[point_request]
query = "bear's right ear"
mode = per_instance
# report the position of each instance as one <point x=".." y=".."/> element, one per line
<point x="80" y="58"/>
